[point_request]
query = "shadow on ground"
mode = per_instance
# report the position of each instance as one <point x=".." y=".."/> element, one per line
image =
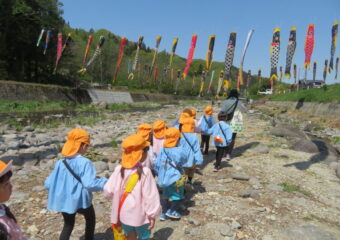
<point x="238" y="151"/>
<point x="319" y="157"/>
<point x="163" y="233"/>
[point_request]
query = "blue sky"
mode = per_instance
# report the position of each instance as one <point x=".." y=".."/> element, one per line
<point x="182" y="18"/>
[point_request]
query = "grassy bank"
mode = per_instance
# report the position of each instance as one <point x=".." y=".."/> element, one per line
<point x="329" y="93"/>
<point x="43" y="115"/>
<point x="35" y="106"/>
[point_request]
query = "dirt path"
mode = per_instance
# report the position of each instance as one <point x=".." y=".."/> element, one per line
<point x="274" y="197"/>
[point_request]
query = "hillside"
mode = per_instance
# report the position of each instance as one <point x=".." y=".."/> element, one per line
<point x="22" y="60"/>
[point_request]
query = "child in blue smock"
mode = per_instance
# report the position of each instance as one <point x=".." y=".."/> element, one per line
<point x="222" y="135"/>
<point x="206" y="122"/>
<point x="189" y="142"/>
<point x="185" y="110"/>
<point x="170" y="172"/>
<point x="71" y="183"/>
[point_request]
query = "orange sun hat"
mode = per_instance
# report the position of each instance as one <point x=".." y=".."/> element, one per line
<point x="208" y="110"/>
<point x="171" y="137"/>
<point x="75" y="138"/>
<point x="188" y="123"/>
<point x="144" y="130"/>
<point x="133" y="146"/>
<point x="159" y="128"/>
<point x="5" y="167"/>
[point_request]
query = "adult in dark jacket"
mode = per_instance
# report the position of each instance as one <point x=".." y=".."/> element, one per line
<point x="229" y="106"/>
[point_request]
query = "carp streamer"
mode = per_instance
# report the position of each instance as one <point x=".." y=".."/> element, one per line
<point x="47" y="40"/>
<point x="87" y="49"/>
<point x="95" y="55"/>
<point x="158" y="41"/>
<point x="136" y="60"/>
<point x="208" y="61"/>
<point x="40" y="37"/>
<point x="309" y="45"/>
<point x="60" y="51"/>
<point x="240" y="72"/>
<point x="314" y="71"/>
<point x="333" y="45"/>
<point x="325" y="71"/>
<point x="228" y="62"/>
<point x="190" y="55"/>
<point x="120" y="57"/>
<point x="290" y="51"/>
<point x="274" y="56"/>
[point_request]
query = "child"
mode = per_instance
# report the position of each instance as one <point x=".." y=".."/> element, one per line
<point x="193" y="115"/>
<point x="222" y="136"/>
<point x="170" y="173"/>
<point x="185" y="110"/>
<point x="71" y="183"/>
<point x="9" y="228"/>
<point x="141" y="206"/>
<point x="145" y="131"/>
<point x="158" y="136"/>
<point x="190" y="143"/>
<point x="206" y="122"/>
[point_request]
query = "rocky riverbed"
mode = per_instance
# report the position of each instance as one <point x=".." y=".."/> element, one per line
<point x="281" y="183"/>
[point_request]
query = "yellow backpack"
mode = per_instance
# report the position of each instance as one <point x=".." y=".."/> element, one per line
<point x="130" y="185"/>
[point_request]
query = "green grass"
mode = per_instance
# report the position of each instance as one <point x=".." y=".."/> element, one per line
<point x="114" y="143"/>
<point x="293" y="188"/>
<point x="93" y="156"/>
<point x="329" y="93"/>
<point x="257" y="97"/>
<point x="194" y="102"/>
<point x="335" y="140"/>
<point x="33" y="106"/>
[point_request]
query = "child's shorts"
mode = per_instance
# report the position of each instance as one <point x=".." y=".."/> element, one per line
<point x="142" y="231"/>
<point x="173" y="192"/>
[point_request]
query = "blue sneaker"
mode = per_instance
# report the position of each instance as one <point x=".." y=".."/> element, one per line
<point x="163" y="217"/>
<point x="174" y="215"/>
<point x="168" y="213"/>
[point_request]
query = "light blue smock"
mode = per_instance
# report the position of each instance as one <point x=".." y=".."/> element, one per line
<point x="176" y="123"/>
<point x="205" y="123"/>
<point x="65" y="192"/>
<point x="166" y="172"/>
<point x="191" y="146"/>
<point x="217" y="130"/>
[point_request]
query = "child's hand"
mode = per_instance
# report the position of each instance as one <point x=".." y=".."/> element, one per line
<point x="152" y="223"/>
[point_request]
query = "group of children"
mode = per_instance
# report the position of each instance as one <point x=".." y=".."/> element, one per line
<point x="157" y="163"/>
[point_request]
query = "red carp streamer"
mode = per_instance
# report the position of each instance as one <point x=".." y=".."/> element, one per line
<point x="89" y="42"/>
<point x="120" y="57"/>
<point x="59" y="48"/>
<point x="190" y="55"/>
<point x="309" y="45"/>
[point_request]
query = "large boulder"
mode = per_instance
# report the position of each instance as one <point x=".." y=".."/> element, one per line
<point x="287" y="130"/>
<point x="304" y="145"/>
